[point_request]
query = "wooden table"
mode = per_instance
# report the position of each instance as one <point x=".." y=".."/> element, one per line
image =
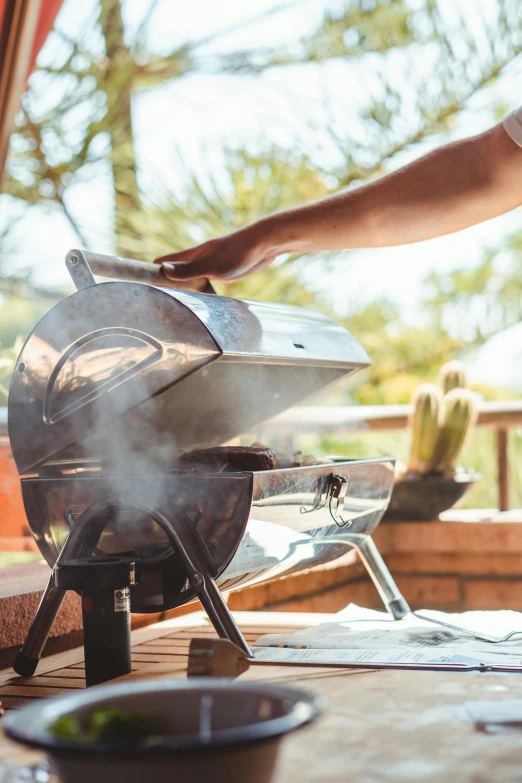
<point x="377" y="727"/>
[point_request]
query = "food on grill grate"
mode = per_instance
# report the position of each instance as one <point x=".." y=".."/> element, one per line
<point x="295" y="460"/>
<point x="308" y="460"/>
<point x="232" y="458"/>
<point x="245" y="458"/>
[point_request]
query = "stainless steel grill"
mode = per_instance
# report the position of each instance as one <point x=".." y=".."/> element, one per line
<point x="121" y="378"/>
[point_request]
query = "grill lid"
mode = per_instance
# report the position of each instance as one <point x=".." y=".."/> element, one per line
<point x="131" y="374"/>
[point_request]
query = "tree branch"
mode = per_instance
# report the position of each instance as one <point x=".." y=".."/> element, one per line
<point x="81" y="236"/>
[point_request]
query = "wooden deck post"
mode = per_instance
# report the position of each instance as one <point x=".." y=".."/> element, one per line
<point x="502" y="469"/>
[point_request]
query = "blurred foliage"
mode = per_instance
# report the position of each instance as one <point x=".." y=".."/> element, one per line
<point x="8" y="358"/>
<point x="402" y="357"/>
<point x="17" y="317"/>
<point x="480" y="300"/>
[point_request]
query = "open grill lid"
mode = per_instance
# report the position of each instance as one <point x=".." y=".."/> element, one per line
<point x="130" y="375"/>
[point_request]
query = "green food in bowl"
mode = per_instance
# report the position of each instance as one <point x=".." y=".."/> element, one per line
<point x="110" y="724"/>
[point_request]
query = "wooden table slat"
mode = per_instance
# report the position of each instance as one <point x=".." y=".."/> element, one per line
<point x="164" y="644"/>
<point x="76" y="673"/>
<point x="30" y="691"/>
<point x="211" y="633"/>
<point x="155" y="649"/>
<point x="158" y="657"/>
<point x="49" y="681"/>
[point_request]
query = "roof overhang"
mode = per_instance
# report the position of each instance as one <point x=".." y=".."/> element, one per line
<point x="24" y="26"/>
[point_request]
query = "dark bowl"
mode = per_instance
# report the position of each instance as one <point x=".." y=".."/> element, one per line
<point x="422" y="498"/>
<point x="236" y="739"/>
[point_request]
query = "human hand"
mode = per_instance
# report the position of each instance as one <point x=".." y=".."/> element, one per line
<point x="227" y="258"/>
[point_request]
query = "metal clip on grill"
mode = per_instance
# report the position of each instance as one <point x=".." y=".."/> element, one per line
<point x="116" y="382"/>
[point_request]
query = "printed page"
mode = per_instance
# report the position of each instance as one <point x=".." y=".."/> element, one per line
<point x="392" y="655"/>
<point x="358" y="629"/>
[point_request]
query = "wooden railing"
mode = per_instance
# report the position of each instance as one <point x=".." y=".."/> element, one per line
<point x="497" y="416"/>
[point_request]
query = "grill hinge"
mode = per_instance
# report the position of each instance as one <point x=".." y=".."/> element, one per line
<point x="79" y="269"/>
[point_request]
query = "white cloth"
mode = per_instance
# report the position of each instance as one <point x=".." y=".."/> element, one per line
<point x="513" y="126"/>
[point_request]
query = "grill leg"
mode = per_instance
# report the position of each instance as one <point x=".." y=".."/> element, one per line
<point x="199" y="572"/>
<point x="217" y="610"/>
<point x="30" y="653"/>
<point x="391" y="596"/>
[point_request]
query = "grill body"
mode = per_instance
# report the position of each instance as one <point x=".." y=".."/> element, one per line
<point x="249" y="526"/>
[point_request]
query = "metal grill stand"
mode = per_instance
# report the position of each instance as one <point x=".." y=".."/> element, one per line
<point x="104" y="586"/>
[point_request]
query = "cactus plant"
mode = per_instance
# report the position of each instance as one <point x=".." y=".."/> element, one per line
<point x="427" y="404"/>
<point x="439" y="426"/>
<point x="452" y="376"/>
<point x="460" y="414"/>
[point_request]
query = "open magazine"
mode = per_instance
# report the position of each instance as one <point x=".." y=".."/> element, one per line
<point x="361" y="636"/>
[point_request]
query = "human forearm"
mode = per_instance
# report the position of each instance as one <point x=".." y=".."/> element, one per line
<point x="450" y="189"/>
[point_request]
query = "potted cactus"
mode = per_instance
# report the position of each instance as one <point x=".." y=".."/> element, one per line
<point x="442" y="418"/>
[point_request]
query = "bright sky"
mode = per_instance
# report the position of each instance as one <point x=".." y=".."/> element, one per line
<point x="201" y="113"/>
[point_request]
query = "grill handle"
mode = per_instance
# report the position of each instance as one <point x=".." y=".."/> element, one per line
<point x="81" y="262"/>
